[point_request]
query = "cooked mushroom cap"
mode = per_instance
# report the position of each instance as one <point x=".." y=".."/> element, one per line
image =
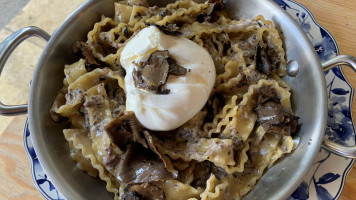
<point x="165" y="159"/>
<point x="124" y="130"/>
<point x="139" y="165"/>
<point x="273" y="117"/>
<point x="153" y="73"/>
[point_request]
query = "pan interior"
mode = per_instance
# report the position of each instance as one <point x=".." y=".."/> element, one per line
<point x="308" y="97"/>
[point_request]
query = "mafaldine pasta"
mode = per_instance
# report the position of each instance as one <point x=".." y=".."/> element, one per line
<point x="177" y="102"/>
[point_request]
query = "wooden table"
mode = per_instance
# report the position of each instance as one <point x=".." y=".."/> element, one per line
<point x="337" y="16"/>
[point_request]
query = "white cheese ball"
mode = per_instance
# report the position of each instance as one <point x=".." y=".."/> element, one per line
<point x="188" y="93"/>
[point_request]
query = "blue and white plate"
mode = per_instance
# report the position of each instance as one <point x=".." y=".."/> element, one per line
<point x="326" y="178"/>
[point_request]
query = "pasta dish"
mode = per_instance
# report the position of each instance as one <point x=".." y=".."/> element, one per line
<point x="177" y="102"/>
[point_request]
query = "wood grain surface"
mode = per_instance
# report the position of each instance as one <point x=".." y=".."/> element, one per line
<point x="15" y="169"/>
<point x="337" y="16"/>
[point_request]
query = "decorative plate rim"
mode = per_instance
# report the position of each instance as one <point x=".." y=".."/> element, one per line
<point x="352" y="161"/>
<point x="337" y="52"/>
<point x="31" y="158"/>
<point x="344" y="175"/>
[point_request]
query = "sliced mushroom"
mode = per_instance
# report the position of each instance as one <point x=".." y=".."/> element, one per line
<point x="124" y="130"/>
<point x="81" y="48"/>
<point x="262" y="63"/>
<point x="167" y="162"/>
<point x="212" y="107"/>
<point x="209" y="14"/>
<point x="267" y="59"/>
<point x="175" y="69"/>
<point x="140" y="165"/>
<point x="273" y="117"/>
<point x="145" y="191"/>
<point x="153" y="73"/>
<point x="265" y="93"/>
<point x="115" y="92"/>
<point x="203" y="171"/>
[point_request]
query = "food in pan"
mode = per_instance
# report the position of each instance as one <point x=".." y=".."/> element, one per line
<point x="177" y="102"/>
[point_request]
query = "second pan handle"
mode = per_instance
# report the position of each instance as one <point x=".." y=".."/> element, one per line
<point x="341" y="150"/>
<point x="6" y="48"/>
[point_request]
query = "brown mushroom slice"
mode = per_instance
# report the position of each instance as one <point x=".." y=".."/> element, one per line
<point x="273" y="117"/>
<point x="156" y="71"/>
<point x="153" y="73"/>
<point x="80" y="47"/>
<point x="140" y="165"/>
<point x="145" y="191"/>
<point x="88" y="55"/>
<point x="175" y="69"/>
<point x="209" y="14"/>
<point x="125" y="129"/>
<point x="276" y="119"/>
<point x="262" y="63"/>
<point x="203" y="170"/>
<point x="167" y="162"/>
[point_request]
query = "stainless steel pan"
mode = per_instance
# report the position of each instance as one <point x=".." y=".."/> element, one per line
<point x="309" y="98"/>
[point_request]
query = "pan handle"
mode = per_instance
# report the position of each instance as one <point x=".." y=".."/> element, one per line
<point x="341" y="150"/>
<point x="6" y="48"/>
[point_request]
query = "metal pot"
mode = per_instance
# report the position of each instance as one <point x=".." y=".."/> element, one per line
<point x="308" y="88"/>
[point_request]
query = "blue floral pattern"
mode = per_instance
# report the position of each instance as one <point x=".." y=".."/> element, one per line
<point x="321" y="182"/>
<point x="43" y="184"/>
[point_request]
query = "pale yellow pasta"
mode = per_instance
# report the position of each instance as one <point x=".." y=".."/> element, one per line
<point x="227" y="135"/>
<point x="215" y="189"/>
<point x="179" y="191"/>
<point x="239" y="120"/>
<point x="83" y="143"/>
<point x="77" y="153"/>
<point x="74" y="71"/>
<point x="98" y="119"/>
<point x="218" y="151"/>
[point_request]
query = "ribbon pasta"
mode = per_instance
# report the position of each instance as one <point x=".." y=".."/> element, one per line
<point x="228" y="133"/>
